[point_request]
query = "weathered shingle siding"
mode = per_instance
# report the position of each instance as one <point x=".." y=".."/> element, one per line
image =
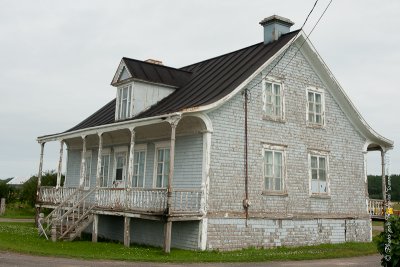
<point x="188" y="161"/>
<point x="339" y="137"/>
<point x="73" y="168"/>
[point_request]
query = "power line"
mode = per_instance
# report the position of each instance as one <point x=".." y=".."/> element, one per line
<point x="308" y="36"/>
<point x="293" y="40"/>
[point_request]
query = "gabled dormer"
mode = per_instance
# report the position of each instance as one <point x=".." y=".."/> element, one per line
<point x="141" y="84"/>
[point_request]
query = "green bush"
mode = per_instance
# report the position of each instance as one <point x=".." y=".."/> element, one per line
<point x="6" y="191"/>
<point x="388" y="242"/>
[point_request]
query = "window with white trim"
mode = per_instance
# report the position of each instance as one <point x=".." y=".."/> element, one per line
<point x="124" y="102"/>
<point x="105" y="168"/>
<point x="315" y="106"/>
<point x="139" y="166"/>
<point x="120" y="165"/>
<point x="274" y="168"/>
<point x="161" y="164"/>
<point x="273" y="104"/>
<point x="319" y="178"/>
<point x="88" y="169"/>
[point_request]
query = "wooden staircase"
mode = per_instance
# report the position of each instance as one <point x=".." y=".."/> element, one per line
<point x="70" y="218"/>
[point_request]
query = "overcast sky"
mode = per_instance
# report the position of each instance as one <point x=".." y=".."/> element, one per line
<point x="57" y="58"/>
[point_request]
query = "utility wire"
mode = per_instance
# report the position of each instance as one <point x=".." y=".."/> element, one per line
<point x="308" y="36"/>
<point x="293" y="40"/>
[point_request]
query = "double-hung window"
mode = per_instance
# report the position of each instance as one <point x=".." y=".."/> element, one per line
<point x="315" y="107"/>
<point x="162" y="164"/>
<point x="124" y="103"/>
<point x="88" y="169"/>
<point x="105" y="168"/>
<point x="139" y="166"/>
<point x="274" y="168"/>
<point x="273" y="104"/>
<point x="319" y="182"/>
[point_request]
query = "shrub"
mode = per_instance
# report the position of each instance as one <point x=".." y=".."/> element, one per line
<point x="390" y="250"/>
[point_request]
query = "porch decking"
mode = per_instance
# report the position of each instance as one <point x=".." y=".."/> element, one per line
<point x="130" y="200"/>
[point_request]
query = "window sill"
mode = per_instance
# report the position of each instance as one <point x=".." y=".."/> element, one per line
<point x="269" y="118"/>
<point x="271" y="193"/>
<point x="315" y="126"/>
<point x="323" y="196"/>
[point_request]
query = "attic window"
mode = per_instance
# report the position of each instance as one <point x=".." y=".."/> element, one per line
<point x="124" y="102"/>
<point x="273" y="100"/>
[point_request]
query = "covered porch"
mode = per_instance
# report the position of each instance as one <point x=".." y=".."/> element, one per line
<point x="153" y="169"/>
<point x="377" y="208"/>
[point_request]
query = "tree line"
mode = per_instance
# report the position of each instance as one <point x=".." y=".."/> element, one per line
<point x="375" y="187"/>
<point x="26" y="192"/>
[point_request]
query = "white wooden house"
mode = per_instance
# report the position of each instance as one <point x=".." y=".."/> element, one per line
<point x="258" y="147"/>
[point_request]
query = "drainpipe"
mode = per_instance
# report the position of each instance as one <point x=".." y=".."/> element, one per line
<point x="246" y="202"/>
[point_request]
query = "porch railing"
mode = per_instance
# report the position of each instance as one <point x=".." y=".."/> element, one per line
<point x="375" y="207"/>
<point x="152" y="200"/>
<point x="49" y="194"/>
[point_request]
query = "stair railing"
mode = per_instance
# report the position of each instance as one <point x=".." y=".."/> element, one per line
<point x="76" y="214"/>
<point x="48" y="220"/>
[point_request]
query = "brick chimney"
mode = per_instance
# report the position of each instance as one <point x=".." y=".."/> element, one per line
<point x="274" y="27"/>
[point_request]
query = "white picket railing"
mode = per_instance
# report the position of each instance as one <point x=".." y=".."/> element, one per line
<point x="50" y="194"/>
<point x="133" y="199"/>
<point x="375" y="207"/>
<point x="187" y="200"/>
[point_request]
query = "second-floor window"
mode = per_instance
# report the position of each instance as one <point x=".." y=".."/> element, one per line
<point x="124" y="102"/>
<point x="315" y="107"/>
<point x="273" y="100"/>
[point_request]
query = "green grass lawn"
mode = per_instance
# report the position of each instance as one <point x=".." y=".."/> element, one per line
<point x="23" y="238"/>
<point x="19" y="210"/>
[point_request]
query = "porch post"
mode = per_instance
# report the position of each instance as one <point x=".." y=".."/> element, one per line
<point x="131" y="158"/>
<point x="59" y="170"/>
<point x="39" y="181"/>
<point x="168" y="225"/>
<point x="95" y="229"/>
<point x="127" y="231"/>
<point x="99" y="158"/>
<point x="383" y="153"/>
<point x="40" y="165"/>
<point x="82" y="178"/>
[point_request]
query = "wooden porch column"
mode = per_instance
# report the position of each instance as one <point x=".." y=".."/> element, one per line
<point x="82" y="178"/>
<point x="59" y="170"/>
<point x="95" y="229"/>
<point x="383" y="152"/>
<point x="168" y="224"/>
<point x="40" y="165"/>
<point x="131" y="158"/>
<point x="99" y="159"/>
<point x="127" y="231"/>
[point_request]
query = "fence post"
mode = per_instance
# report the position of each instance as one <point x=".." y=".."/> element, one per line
<point x="2" y="206"/>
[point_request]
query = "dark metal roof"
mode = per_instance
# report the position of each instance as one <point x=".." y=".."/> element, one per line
<point x="155" y="73"/>
<point x="210" y="80"/>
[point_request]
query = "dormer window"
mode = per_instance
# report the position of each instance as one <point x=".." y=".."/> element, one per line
<point x="124" y="102"/>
